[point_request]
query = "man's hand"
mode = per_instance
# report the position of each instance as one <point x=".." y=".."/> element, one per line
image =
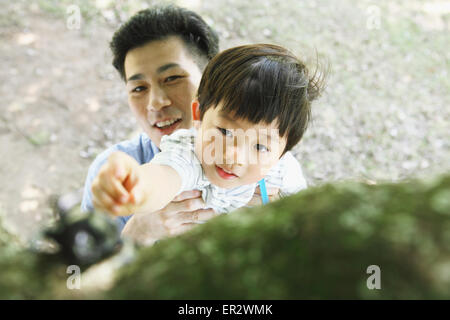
<point x="180" y="215"/>
<point x="116" y="188"/>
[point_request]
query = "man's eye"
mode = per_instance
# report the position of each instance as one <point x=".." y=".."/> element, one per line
<point x="138" y="89"/>
<point x="172" y="78"/>
<point x="225" y="132"/>
<point x="261" y="148"/>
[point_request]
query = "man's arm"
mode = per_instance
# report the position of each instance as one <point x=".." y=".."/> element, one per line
<point x="86" y="203"/>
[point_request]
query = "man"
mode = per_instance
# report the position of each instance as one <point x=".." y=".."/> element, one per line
<point x="160" y="54"/>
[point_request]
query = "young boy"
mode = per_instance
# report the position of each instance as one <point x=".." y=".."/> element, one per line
<point x="252" y="107"/>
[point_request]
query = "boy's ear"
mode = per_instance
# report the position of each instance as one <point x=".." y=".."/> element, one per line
<point x="195" y="110"/>
<point x="196" y="114"/>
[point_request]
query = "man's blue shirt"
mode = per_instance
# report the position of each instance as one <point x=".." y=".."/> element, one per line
<point x="140" y="148"/>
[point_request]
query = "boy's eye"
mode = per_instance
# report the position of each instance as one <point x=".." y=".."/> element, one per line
<point x="138" y="89"/>
<point x="261" y="148"/>
<point x="225" y="132"/>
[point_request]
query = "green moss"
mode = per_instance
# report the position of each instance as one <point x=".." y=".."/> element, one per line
<point x="317" y="244"/>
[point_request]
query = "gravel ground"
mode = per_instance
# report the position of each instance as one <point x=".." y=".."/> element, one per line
<point x="384" y="115"/>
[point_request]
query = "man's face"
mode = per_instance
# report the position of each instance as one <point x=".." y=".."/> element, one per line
<point x="162" y="79"/>
<point x="235" y="152"/>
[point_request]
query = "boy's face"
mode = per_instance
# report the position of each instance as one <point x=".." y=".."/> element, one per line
<point x="162" y="78"/>
<point x="235" y="152"/>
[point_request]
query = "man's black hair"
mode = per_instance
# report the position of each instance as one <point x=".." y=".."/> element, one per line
<point x="160" y="22"/>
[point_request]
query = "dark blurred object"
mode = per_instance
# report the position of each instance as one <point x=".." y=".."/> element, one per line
<point x="83" y="238"/>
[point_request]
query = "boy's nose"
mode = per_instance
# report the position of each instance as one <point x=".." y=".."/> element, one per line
<point x="235" y="155"/>
<point x="158" y="99"/>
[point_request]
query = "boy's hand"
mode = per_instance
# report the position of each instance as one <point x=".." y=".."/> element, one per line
<point x="116" y="188"/>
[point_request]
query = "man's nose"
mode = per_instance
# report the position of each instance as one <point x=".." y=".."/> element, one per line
<point x="158" y="98"/>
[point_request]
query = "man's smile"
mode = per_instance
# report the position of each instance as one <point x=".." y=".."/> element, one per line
<point x="167" y="126"/>
<point x="166" y="122"/>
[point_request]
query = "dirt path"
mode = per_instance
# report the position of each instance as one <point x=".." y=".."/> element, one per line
<point x="62" y="103"/>
<point x="384" y="116"/>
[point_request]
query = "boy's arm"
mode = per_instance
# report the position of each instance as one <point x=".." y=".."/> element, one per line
<point x="123" y="186"/>
<point x="159" y="185"/>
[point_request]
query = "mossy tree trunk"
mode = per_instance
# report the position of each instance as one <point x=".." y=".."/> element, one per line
<point x="317" y="244"/>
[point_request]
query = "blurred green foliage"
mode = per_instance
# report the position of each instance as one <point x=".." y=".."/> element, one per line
<point x="317" y="244"/>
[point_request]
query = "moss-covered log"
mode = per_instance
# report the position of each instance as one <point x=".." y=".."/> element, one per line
<point x="317" y="244"/>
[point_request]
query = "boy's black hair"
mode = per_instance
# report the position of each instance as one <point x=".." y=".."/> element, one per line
<point x="160" y="22"/>
<point x="262" y="82"/>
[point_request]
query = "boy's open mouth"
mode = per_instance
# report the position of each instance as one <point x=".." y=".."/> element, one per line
<point x="225" y="174"/>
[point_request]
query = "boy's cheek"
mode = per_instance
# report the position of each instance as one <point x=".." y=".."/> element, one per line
<point x="264" y="168"/>
<point x="256" y="173"/>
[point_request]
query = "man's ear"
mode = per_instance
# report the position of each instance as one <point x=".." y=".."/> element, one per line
<point x="195" y="108"/>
